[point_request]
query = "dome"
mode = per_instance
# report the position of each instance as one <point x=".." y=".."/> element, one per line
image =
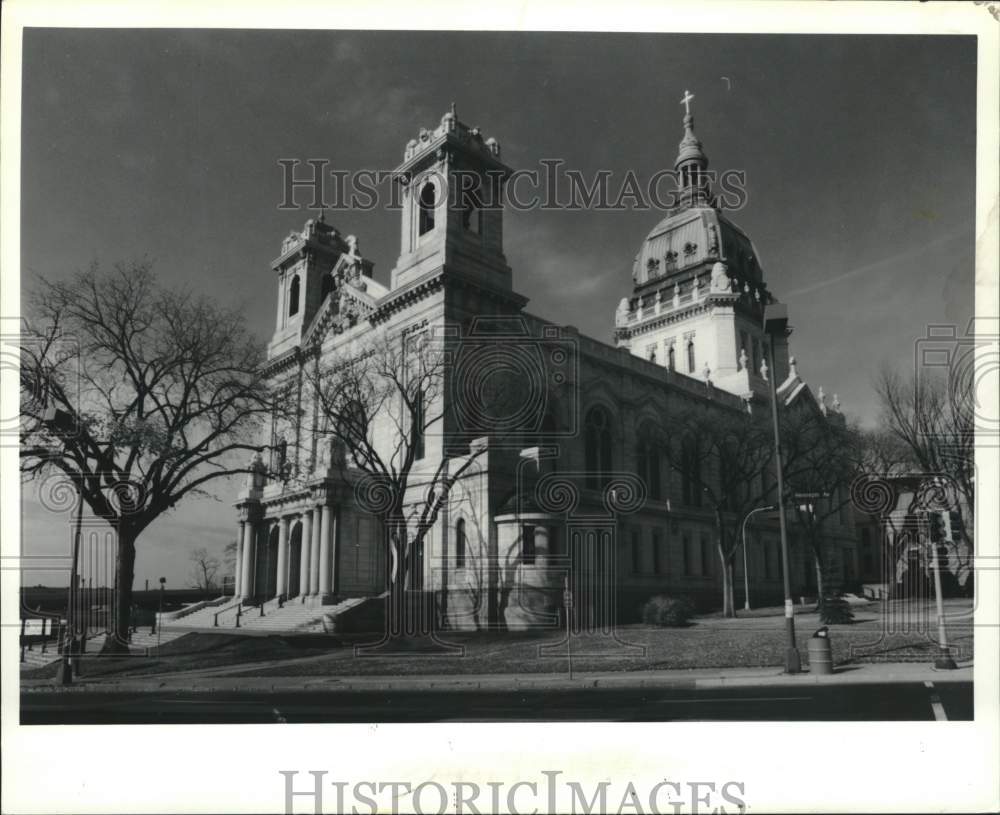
<point x="687" y="239"/>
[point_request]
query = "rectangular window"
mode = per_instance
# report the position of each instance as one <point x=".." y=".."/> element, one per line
<point x="706" y="557"/>
<point x="528" y="544"/>
<point x="657" y="565"/>
<point x="636" y="551"/>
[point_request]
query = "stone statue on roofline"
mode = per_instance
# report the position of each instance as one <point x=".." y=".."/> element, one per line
<point x="720" y="277"/>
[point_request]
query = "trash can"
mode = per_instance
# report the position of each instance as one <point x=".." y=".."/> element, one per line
<point x="820" y="656"/>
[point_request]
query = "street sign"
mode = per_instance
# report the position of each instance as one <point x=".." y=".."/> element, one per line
<point x="812" y="495"/>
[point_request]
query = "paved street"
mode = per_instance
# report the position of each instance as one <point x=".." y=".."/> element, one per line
<point x="861" y="702"/>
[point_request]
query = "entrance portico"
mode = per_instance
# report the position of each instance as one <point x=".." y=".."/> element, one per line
<point x="287" y="550"/>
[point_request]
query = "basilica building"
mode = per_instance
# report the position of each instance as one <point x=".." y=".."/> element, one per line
<point x="579" y="508"/>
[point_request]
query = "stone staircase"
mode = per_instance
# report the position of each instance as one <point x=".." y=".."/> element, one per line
<point x="224" y="610"/>
<point x="292" y="617"/>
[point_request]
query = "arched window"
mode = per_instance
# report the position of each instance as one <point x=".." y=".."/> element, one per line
<point x="293" y="297"/>
<point x="648" y="462"/>
<point x="426" y="204"/>
<point x="280" y="457"/>
<point x="691" y="472"/>
<point x="419" y="426"/>
<point x="598" y="447"/>
<point x="690" y="356"/>
<point x="672" y="358"/>
<point x="460" y="544"/>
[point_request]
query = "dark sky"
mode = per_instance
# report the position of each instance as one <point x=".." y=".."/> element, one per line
<point x="859" y="153"/>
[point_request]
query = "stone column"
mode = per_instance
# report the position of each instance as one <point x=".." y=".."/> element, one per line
<point x="281" y="584"/>
<point x="327" y="531"/>
<point x="314" y="554"/>
<point x="249" y="550"/>
<point x="305" y="559"/>
<point x="238" y="571"/>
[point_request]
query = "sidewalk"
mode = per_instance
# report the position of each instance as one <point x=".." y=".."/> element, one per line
<point x="674" y="679"/>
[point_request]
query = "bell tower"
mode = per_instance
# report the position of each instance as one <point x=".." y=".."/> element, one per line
<point x="452" y="216"/>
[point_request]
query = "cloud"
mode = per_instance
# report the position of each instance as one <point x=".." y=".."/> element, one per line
<point x="892" y="260"/>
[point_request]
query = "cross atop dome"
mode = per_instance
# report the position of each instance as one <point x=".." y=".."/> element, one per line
<point x="691" y="161"/>
<point x="686" y="101"/>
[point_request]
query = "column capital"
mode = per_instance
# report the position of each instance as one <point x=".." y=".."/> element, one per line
<point x="250" y="512"/>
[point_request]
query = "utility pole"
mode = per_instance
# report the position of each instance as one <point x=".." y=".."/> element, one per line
<point x="776" y="325"/>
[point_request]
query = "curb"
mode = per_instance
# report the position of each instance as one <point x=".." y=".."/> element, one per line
<point x="506" y="683"/>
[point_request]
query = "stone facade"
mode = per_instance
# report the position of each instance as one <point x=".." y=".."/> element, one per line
<point x="499" y="555"/>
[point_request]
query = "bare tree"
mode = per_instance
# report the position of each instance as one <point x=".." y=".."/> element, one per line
<point x="159" y="401"/>
<point x="932" y="419"/>
<point x="379" y="402"/>
<point x="205" y="569"/>
<point x="823" y="456"/>
<point x="723" y="458"/>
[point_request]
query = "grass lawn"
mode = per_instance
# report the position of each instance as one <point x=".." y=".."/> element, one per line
<point x="756" y="640"/>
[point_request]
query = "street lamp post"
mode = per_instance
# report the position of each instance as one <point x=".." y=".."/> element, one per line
<point x="69" y="635"/>
<point x="746" y="573"/>
<point x="776" y="325"/>
<point x="61" y="424"/>
<point x="159" y="619"/>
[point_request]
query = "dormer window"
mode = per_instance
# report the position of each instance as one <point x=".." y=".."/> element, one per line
<point x="652" y="267"/>
<point x="689" y="248"/>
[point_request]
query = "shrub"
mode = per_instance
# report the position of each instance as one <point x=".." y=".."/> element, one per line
<point x="667" y="612"/>
<point x="835" y="610"/>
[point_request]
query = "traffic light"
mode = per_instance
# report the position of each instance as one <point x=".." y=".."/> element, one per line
<point x="936" y="528"/>
<point x="955" y="527"/>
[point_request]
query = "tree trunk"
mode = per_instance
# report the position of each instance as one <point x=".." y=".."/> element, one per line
<point x="729" y="604"/>
<point x="121" y="618"/>
<point x="728" y="601"/>
<point x="396" y="613"/>
<point x="820" y="588"/>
